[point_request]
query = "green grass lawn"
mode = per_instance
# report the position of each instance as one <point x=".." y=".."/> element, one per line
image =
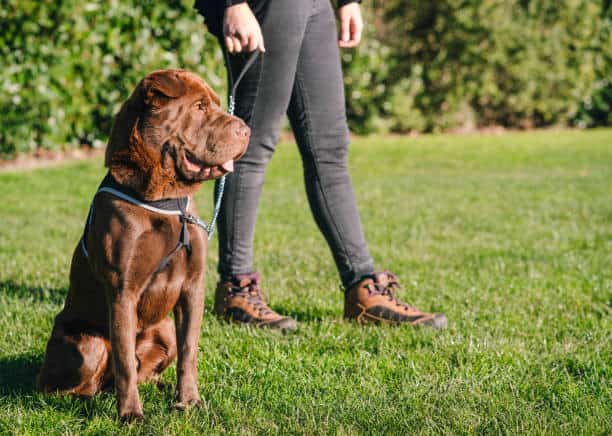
<point x="510" y="236"/>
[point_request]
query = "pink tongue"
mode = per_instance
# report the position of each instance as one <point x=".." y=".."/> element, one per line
<point x="192" y="166"/>
<point x="228" y="166"/>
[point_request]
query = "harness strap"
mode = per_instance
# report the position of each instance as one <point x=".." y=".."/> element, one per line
<point x="110" y="186"/>
<point x="144" y="205"/>
<point x="183" y="242"/>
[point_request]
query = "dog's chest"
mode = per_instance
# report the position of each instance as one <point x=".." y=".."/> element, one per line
<point x="184" y="271"/>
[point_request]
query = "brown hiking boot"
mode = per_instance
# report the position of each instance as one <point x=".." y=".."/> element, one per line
<point x="373" y="300"/>
<point x="239" y="300"/>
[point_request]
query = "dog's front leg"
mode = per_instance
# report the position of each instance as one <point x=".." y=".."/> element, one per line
<point x="188" y="317"/>
<point x="123" y="325"/>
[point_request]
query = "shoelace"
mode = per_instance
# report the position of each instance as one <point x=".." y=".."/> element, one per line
<point x="390" y="290"/>
<point x="254" y="296"/>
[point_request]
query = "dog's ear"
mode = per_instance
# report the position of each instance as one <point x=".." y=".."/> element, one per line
<point x="127" y="157"/>
<point x="154" y="90"/>
<point x="123" y="125"/>
<point x="161" y="86"/>
<point x="214" y="97"/>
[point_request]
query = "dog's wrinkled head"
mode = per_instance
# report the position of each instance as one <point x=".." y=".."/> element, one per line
<point x="171" y="135"/>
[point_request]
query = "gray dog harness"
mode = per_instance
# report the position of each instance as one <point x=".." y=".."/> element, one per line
<point x="170" y="206"/>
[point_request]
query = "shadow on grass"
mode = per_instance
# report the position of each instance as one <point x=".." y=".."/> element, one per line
<point x="33" y="293"/>
<point x="18" y="373"/>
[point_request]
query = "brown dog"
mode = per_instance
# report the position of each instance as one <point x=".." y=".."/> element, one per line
<point x="168" y="137"/>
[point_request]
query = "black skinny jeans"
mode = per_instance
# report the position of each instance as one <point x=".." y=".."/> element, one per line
<point x="300" y="74"/>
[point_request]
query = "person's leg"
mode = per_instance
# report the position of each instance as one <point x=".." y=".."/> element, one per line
<point x="318" y="118"/>
<point x="319" y="122"/>
<point x="261" y="100"/>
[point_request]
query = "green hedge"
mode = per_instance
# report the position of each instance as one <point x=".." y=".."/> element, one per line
<point x="455" y="63"/>
<point x="423" y="66"/>
<point x="67" y="65"/>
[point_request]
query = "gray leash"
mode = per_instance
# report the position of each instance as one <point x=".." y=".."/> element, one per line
<point x="220" y="186"/>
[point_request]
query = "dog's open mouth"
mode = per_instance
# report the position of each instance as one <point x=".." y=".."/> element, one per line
<point x="194" y="165"/>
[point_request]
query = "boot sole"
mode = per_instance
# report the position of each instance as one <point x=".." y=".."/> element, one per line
<point x="285" y="325"/>
<point x="437" y="322"/>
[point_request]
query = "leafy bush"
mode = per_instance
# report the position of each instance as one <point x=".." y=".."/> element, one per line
<point x="515" y="63"/>
<point x="423" y="66"/>
<point x="596" y="110"/>
<point x="68" y="65"/>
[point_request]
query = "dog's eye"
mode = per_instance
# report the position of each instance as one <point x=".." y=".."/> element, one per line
<point x="201" y="106"/>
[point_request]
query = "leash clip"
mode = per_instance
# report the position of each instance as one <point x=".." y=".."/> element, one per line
<point x="191" y="219"/>
<point x="185" y="217"/>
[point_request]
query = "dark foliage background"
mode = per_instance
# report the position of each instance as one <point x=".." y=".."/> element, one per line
<point x="68" y="65"/>
<point x="437" y="65"/>
<point x="424" y="65"/>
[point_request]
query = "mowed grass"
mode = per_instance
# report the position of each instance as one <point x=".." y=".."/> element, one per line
<point x="510" y="236"/>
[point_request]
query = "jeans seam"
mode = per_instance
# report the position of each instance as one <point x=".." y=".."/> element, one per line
<point x="303" y="95"/>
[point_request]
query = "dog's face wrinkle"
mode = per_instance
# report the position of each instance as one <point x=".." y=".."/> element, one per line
<point x="169" y="124"/>
<point x="169" y="160"/>
<point x="196" y="133"/>
<point x="175" y="148"/>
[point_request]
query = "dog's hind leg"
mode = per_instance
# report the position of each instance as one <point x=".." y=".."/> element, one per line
<point x="76" y="362"/>
<point x="155" y="350"/>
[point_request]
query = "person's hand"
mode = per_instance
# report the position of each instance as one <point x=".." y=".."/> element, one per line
<point x="241" y="29"/>
<point x="351" y="25"/>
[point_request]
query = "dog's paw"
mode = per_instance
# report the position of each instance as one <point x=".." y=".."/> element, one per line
<point x="188" y="404"/>
<point x="135" y="416"/>
<point x="130" y="411"/>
